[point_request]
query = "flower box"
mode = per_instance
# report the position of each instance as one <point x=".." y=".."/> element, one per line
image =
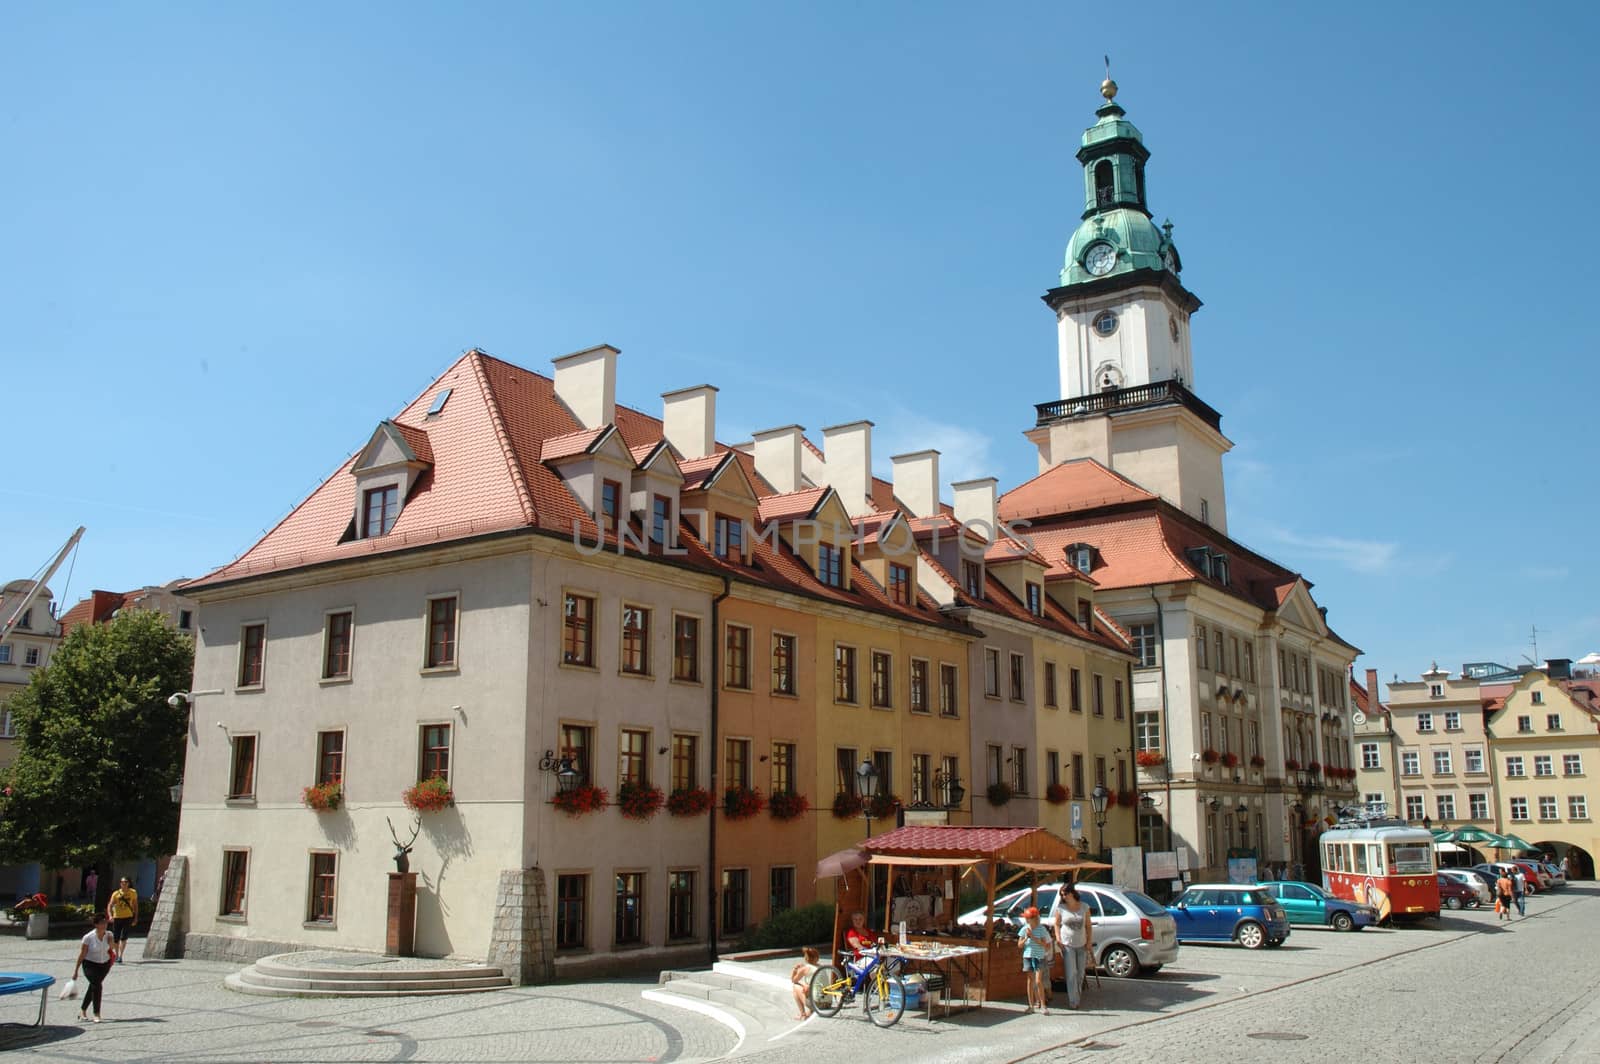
<point x="741" y="803"/>
<point x="1291" y="764"/>
<point x="640" y="801"/>
<point x="582" y="799"/>
<point x="882" y="806"/>
<point x="1126" y="799"/>
<point x="1149" y="759"/>
<point x="1230" y="759"/>
<point x="846" y="805"/>
<point x="429" y="796"/>
<point x="323" y="797"/>
<point x="689" y="801"/>
<point x="1209" y="756"/>
<point x="788" y="806"/>
<point x="1056" y="794"/>
<point x="1257" y="761"/>
<point x="1314" y="767"/>
<point x="1111" y="799"/>
<point x="998" y="793"/>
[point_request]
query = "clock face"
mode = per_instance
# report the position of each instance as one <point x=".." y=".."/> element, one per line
<point x="1170" y="259"/>
<point x="1100" y="259"/>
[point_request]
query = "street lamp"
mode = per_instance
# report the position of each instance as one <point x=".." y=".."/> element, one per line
<point x="1097" y="802"/>
<point x="948" y="785"/>
<point x="175" y="792"/>
<point x="867" y="789"/>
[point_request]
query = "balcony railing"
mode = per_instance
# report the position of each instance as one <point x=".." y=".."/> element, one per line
<point x="1160" y="393"/>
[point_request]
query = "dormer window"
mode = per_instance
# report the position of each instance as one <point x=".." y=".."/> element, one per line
<point x="1085" y="612"/>
<point x="729" y="538"/>
<point x="972" y="577"/>
<point x="610" y="503"/>
<point x="1219" y="569"/>
<point x="27" y="618"/>
<point x="900" y="583"/>
<point x="381" y="507"/>
<point x="830" y="564"/>
<point x="1081" y="555"/>
<point x="1035" y="599"/>
<point x="660" y="518"/>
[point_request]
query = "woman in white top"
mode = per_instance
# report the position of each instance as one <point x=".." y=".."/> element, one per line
<point x="95" y="957"/>
<point x="1075" y="933"/>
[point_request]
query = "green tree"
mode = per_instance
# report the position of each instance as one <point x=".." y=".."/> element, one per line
<point x="99" y="748"/>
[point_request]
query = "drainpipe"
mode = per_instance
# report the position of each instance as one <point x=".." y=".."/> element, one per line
<point x="1166" y="729"/>
<point x="1133" y="753"/>
<point x="711" y="832"/>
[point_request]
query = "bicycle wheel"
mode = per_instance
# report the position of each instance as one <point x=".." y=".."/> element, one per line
<point x="886" y="1000"/>
<point x="828" y="988"/>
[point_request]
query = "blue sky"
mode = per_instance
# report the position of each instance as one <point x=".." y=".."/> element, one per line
<point x="237" y="237"/>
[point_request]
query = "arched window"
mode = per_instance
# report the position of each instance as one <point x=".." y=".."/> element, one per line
<point x="1138" y="181"/>
<point x="1104" y="183"/>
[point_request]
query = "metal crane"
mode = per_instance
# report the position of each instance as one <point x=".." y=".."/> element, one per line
<point x="10" y="622"/>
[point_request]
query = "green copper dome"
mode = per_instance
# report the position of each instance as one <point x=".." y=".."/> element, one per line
<point x="1137" y="242"/>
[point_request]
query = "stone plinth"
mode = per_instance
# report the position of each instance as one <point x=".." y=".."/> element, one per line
<point x="401" y="934"/>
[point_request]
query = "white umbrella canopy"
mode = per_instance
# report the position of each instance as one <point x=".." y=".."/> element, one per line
<point x="1589" y="659"/>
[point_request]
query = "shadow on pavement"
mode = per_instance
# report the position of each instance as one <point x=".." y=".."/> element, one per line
<point x="16" y="1036"/>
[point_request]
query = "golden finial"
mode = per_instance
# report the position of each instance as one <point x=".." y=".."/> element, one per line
<point x="1108" y="88"/>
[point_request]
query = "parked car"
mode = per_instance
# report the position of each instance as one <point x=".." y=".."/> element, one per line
<point x="1499" y="868"/>
<point x="1474" y="879"/>
<point x="1534" y="873"/>
<point x="1455" y="894"/>
<point x="1307" y="903"/>
<point x="1133" y="934"/>
<point x="1230" y="912"/>
<point x="1558" y="878"/>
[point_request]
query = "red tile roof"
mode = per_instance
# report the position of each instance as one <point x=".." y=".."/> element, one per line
<point x="791" y="506"/>
<point x="96" y="609"/>
<point x="943" y="840"/>
<point x="1079" y="484"/>
<point x="417" y="440"/>
<point x="570" y="444"/>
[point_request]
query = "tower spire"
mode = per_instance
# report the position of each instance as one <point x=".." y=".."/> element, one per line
<point x="1108" y="88"/>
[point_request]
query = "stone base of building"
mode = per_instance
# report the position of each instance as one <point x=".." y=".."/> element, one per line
<point x="165" y="940"/>
<point x="520" y="943"/>
<point x="630" y="962"/>
<point x="232" y="950"/>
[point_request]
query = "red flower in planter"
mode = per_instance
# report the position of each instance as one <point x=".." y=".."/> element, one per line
<point x="883" y="806"/>
<point x="323" y="797"/>
<point x="999" y="793"/>
<point x="741" y="803"/>
<point x="429" y="796"/>
<point x="1257" y="761"/>
<point x="688" y="801"/>
<point x="1126" y="798"/>
<point x="1230" y="759"/>
<point x="584" y="798"/>
<point x="788" y="806"/>
<point x="1111" y="799"/>
<point x="1056" y="794"/>
<point x="846" y="805"/>
<point x="1291" y="764"/>
<point x="640" y="802"/>
<point x="1315" y="766"/>
<point x="1150" y="758"/>
<point x="1209" y="756"/>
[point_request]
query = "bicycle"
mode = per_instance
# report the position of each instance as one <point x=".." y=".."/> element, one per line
<point x="882" y="990"/>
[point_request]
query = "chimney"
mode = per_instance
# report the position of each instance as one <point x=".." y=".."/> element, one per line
<point x="1372" y="693"/>
<point x="847" y="450"/>
<point x="689" y="420"/>
<point x="916" y="481"/>
<point x="777" y="454"/>
<point x="586" y="384"/>
<point x="975" y="504"/>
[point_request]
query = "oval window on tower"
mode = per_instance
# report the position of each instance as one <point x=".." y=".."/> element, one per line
<point x="1105" y="323"/>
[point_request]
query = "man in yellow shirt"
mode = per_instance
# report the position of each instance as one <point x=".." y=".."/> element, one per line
<point x="123" y="909"/>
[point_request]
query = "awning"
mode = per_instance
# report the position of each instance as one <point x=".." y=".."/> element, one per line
<point x="838" y="864"/>
<point x="1516" y="842"/>
<point x="1472" y="836"/>
<point x="1060" y="866"/>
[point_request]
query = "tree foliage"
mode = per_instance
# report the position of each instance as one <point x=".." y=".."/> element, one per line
<point x="99" y="748"/>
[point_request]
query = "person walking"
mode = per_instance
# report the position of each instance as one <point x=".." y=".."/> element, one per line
<point x="91" y="886"/>
<point x="800" y="981"/>
<point x="95" y="957"/>
<point x="1037" y="946"/>
<point x="1502" y="902"/>
<point x="1519" y="889"/>
<point x="123" y="909"/>
<point x="1075" y="936"/>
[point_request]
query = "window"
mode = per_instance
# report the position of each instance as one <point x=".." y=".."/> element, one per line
<point x="1116" y="699"/>
<point x="336" y="645"/>
<point x="1413" y="810"/>
<point x="610" y="504"/>
<point x="5" y="653"/>
<point x="660" y="518"/>
<point x="991" y="672"/>
<point x="324" y="888"/>
<point x="783" y="768"/>
<point x="1452" y="720"/>
<point x="1238" y="667"/>
<point x="235" y="876"/>
<point x="1514" y="766"/>
<point x="577" y="630"/>
<point x="1200" y="657"/>
<point x="783" y="654"/>
<point x="950" y="771"/>
<point x="1524" y="724"/>
<point x="1075" y="690"/>
<point x="1077" y="774"/>
<point x="252" y="654"/>
<point x="26" y="620"/>
<point x="899" y="585"/>
<point x="882" y="687"/>
<point x="1206" y="742"/>
<point x="381" y="507"/>
<point x="1538" y="698"/>
<point x="1436" y="690"/>
<point x="972" y="577"/>
<point x="1147" y="731"/>
<point x="1577" y="807"/>
<point x="919" y="686"/>
<point x="1019" y="769"/>
<point x="735" y="899"/>
<point x="1424" y="722"/>
<point x="1052" y="767"/>
<point x="736" y="672"/>
<point x="572" y="906"/>
<point x="1100" y="772"/>
<point x="242" y="779"/>
<point x="1441" y="762"/>
<point x="830" y="565"/>
<point x="1050" y="684"/>
<point x="185" y="620"/>
<point x="1086" y="613"/>
<point x="1035" y="599"/>
<point x="844" y="673"/>
<point x="729" y="542"/>
<point x="1547" y="807"/>
<point x="736" y="770"/>
<point x="1572" y="764"/>
<point x="1478" y="806"/>
<point x="1255" y="739"/>
<point x="1446" y="806"/>
<point x="1249" y="664"/>
<point x="633" y="758"/>
<point x="949" y="691"/>
<point x="1082" y="558"/>
<point x="442" y="632"/>
<point x="629" y="921"/>
<point x="435" y="759"/>
<point x="1018" y="670"/>
<point x="636" y="640"/>
<point x="330" y="757"/>
<point x="1544" y="765"/>
<point x="994" y="761"/>
<point x="781" y="888"/>
<point x="680" y="905"/>
<point x="921" y="773"/>
<point x="1552" y="722"/>
<point x="1369" y="755"/>
<point x="844" y="758"/>
<point x="686" y="648"/>
<point x="1222" y="660"/>
<point x="685" y="762"/>
<point x="1519" y="809"/>
<point x="883" y="761"/>
<point x="1410" y="763"/>
<point x="1099" y="695"/>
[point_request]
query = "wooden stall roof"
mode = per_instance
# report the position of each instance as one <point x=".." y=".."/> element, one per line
<point x="1010" y="845"/>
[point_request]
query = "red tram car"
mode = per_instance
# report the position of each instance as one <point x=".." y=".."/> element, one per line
<point x="1387" y="866"/>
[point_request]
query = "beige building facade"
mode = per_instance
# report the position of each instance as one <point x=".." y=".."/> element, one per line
<point x="1546" y="744"/>
<point x="1445" y="777"/>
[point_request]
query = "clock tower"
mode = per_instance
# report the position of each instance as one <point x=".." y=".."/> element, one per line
<point x="1122" y="321"/>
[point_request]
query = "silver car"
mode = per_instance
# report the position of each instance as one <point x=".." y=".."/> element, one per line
<point x="1133" y="934"/>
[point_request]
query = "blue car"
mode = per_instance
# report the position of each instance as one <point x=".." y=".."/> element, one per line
<point x="1230" y="912"/>
<point x="1307" y="903"/>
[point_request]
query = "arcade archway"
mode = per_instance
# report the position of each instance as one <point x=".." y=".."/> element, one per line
<point x="1580" y="863"/>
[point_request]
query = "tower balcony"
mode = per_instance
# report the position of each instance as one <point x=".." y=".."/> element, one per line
<point x="1140" y="396"/>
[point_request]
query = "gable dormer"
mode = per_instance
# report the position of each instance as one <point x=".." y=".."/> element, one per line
<point x="718" y="501"/>
<point x="1018" y="569"/>
<point x="387" y="469"/>
<point x="888" y="553"/>
<point x="597" y="468"/>
<point x="657" y="484"/>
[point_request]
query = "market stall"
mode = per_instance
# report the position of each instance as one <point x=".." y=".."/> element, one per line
<point x="920" y="871"/>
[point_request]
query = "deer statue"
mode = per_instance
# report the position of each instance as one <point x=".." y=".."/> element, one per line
<point x="402" y="850"/>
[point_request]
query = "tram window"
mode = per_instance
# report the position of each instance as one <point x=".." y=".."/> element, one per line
<point x="1376" y="858"/>
<point x="1361" y="859"/>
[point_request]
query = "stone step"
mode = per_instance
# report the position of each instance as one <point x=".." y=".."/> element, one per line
<point x="338" y="974"/>
<point x="275" y="965"/>
<point x="234" y="982"/>
<point x="752" y="1019"/>
<point x="419" y="981"/>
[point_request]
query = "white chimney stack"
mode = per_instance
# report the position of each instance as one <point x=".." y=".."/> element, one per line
<point x="586" y="384"/>
<point x="916" y="481"/>
<point x="975" y="503"/>
<point x="689" y="420"/>
<point x="777" y="455"/>
<point x="847" y="450"/>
